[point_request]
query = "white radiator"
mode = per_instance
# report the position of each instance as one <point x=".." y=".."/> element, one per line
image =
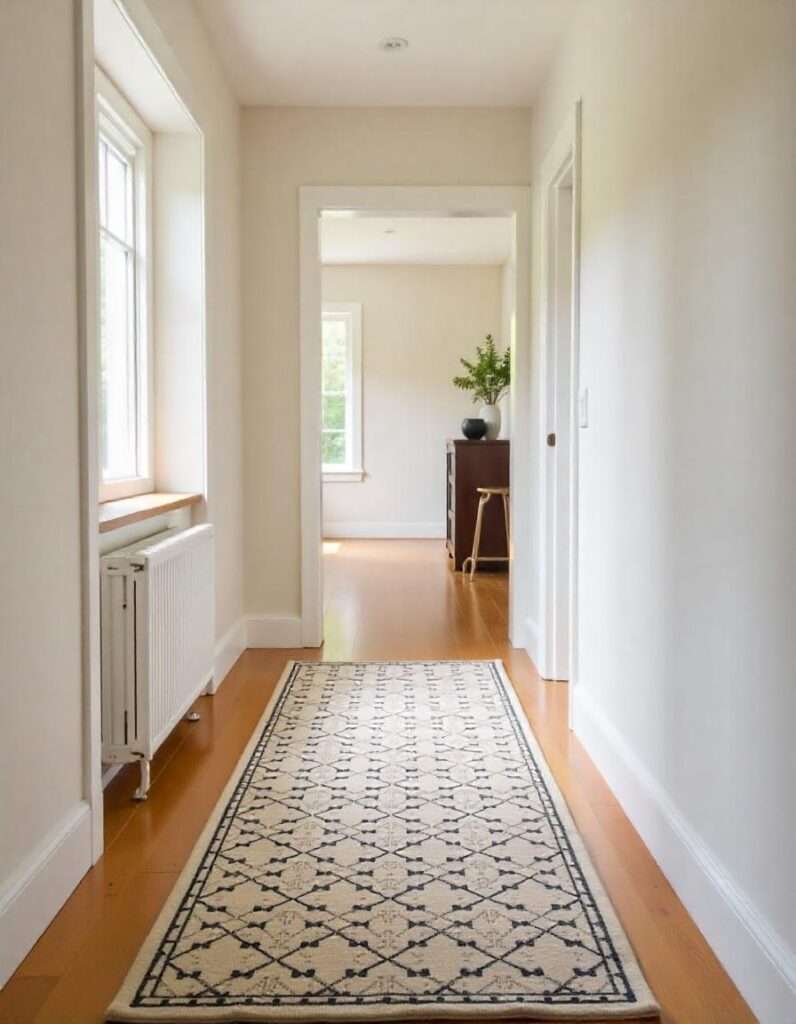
<point x="158" y="612"/>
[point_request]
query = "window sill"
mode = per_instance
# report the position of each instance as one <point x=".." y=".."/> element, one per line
<point x="343" y="476"/>
<point x="125" y="511"/>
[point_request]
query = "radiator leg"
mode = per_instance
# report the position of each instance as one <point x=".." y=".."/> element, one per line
<point x="192" y="716"/>
<point x="143" y="786"/>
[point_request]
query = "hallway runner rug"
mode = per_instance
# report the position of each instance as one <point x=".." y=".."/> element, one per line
<point x="391" y="846"/>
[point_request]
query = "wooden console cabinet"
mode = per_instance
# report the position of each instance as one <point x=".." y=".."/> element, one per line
<point x="472" y="464"/>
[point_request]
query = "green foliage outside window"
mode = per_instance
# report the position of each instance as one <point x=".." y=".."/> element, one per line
<point x="334" y="400"/>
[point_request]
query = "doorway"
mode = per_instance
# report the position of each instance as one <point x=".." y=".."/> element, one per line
<point x="404" y="300"/>
<point x="410" y="203"/>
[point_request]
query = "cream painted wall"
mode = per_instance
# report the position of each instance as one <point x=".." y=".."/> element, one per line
<point x="179" y="360"/>
<point x="40" y="593"/>
<point x="44" y="829"/>
<point x="184" y="33"/>
<point x="284" y="148"/>
<point x="416" y="323"/>
<point x="686" y="696"/>
<point x="507" y="336"/>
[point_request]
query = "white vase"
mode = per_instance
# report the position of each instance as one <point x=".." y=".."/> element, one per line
<point x="490" y="414"/>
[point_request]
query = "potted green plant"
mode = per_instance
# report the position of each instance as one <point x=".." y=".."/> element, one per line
<point x="488" y="379"/>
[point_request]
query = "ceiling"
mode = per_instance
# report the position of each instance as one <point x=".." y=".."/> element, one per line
<point x="432" y="240"/>
<point x="482" y="53"/>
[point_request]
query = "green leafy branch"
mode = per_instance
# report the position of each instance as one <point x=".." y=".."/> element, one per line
<point x="489" y="377"/>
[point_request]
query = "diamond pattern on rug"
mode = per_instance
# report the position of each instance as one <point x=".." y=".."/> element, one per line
<point x="391" y="841"/>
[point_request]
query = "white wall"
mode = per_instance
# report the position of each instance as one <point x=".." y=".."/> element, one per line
<point x="416" y="323"/>
<point x="686" y="697"/>
<point x="180" y="29"/>
<point x="508" y="328"/>
<point x="40" y="593"/>
<point x="180" y="399"/>
<point x="284" y="148"/>
<point x="45" y="842"/>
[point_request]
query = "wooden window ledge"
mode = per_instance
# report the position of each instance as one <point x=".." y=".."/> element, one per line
<point x="124" y="511"/>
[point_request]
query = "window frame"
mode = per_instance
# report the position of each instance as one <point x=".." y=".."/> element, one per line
<point x="351" y="314"/>
<point x="127" y="133"/>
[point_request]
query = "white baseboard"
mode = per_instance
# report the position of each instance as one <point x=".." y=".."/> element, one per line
<point x="273" y="631"/>
<point x="228" y="649"/>
<point x="531" y="639"/>
<point x="755" y="956"/>
<point x="109" y="773"/>
<point x="34" y="894"/>
<point x="354" y="529"/>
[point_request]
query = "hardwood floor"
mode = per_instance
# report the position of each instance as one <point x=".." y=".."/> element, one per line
<point x="384" y="600"/>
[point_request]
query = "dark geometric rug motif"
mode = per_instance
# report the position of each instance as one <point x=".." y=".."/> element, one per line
<point x="391" y="845"/>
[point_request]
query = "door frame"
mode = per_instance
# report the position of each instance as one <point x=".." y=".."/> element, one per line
<point x="457" y="201"/>
<point x="563" y="159"/>
<point x="87" y="263"/>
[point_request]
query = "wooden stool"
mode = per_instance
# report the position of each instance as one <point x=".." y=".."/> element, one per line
<point x="486" y="493"/>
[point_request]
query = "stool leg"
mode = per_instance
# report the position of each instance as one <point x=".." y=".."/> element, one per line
<point x="477" y="535"/>
<point x="507" y="517"/>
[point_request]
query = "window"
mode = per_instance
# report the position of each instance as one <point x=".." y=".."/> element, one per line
<point x="125" y="429"/>
<point x="341" y="391"/>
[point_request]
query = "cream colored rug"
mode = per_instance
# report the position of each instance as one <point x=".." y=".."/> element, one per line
<point x="391" y="845"/>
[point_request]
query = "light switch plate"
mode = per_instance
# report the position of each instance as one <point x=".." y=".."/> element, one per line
<point x="583" y="408"/>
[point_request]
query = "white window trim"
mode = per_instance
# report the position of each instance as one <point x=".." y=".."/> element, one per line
<point x="352" y="472"/>
<point x="124" y="127"/>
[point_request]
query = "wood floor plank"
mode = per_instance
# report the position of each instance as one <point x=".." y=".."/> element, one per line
<point x="385" y="600"/>
<point x="87" y="988"/>
<point x="23" y="997"/>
